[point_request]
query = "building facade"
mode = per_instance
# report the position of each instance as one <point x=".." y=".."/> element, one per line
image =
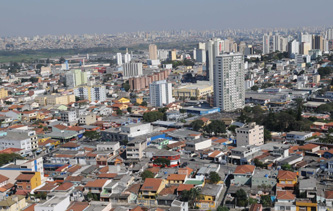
<point x="250" y="134"/>
<point x="160" y="93"/>
<point x="229" y="90"/>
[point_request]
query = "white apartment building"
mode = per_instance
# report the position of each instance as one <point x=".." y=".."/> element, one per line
<point x="229" y="90"/>
<point x="119" y="59"/>
<point x="68" y="116"/>
<point x="160" y="93"/>
<point x="265" y="44"/>
<point x="16" y="139"/>
<point x="91" y="93"/>
<point x="132" y="70"/>
<point x="250" y="134"/>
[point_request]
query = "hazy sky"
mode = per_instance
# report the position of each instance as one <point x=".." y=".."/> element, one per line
<point x="31" y="17"/>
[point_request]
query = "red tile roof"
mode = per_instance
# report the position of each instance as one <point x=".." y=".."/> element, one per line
<point x="286" y="175"/>
<point x="98" y="183"/>
<point x="284" y="195"/>
<point x="151" y="184"/>
<point x="244" y="169"/>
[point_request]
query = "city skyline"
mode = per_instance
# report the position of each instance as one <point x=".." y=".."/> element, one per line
<point x="39" y="17"/>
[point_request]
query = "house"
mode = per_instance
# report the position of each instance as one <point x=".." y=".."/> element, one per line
<point x="309" y="148"/>
<point x="187" y="171"/>
<point x="182" y="187"/>
<point x="210" y="195"/>
<point x="5" y="186"/>
<point x="295" y="136"/>
<point x="285" y="201"/>
<point x="172" y="156"/>
<point x="96" y="187"/>
<point x="243" y="175"/>
<point x="13" y="203"/>
<point x="176" y="178"/>
<point x="28" y="180"/>
<point x="244" y="155"/>
<point x="56" y="203"/>
<point x="286" y="179"/>
<point x="150" y="189"/>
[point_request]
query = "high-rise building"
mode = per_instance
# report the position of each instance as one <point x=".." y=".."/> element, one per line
<point x="201" y="55"/>
<point x="329" y="34"/>
<point x="91" y="93"/>
<point x="163" y="54"/>
<point x="214" y="47"/>
<point x="76" y="77"/>
<point x="132" y="69"/>
<point x="318" y="42"/>
<point x="293" y="48"/>
<point x="127" y="57"/>
<point x="152" y="52"/>
<point x="229" y="91"/>
<point x="266" y="44"/>
<point x="160" y="93"/>
<point x="3" y="93"/>
<point x="276" y="43"/>
<point x="304" y="48"/>
<point x="284" y="44"/>
<point x="173" y="55"/>
<point x="307" y="38"/>
<point x="119" y="59"/>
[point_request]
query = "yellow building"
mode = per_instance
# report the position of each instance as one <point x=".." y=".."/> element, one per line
<point x="210" y="194"/>
<point x="176" y="178"/>
<point x="124" y="100"/>
<point x="173" y="55"/>
<point x="287" y="179"/>
<point x="198" y="90"/>
<point x="3" y="93"/>
<point x="55" y="99"/>
<point x="139" y="100"/>
<point x="13" y="203"/>
<point x="28" y="180"/>
<point x="305" y="205"/>
<point x="150" y="190"/>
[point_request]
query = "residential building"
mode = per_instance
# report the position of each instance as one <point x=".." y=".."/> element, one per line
<point x="150" y="190"/>
<point x="76" y="77"/>
<point x="119" y="59"/>
<point x="13" y="203"/>
<point x="55" y="99"/>
<point x="243" y="175"/>
<point x="293" y="48"/>
<point x="56" y="203"/>
<point x="160" y="93"/>
<point x="28" y="180"/>
<point x="213" y="48"/>
<point x="229" y="91"/>
<point x="286" y="179"/>
<point x="87" y="119"/>
<point x="3" y="93"/>
<point x="132" y="69"/>
<point x="91" y="93"/>
<point x="173" y="55"/>
<point x="134" y="149"/>
<point x="266" y="44"/>
<point x="250" y="134"/>
<point x="143" y="82"/>
<point x="152" y="52"/>
<point x="285" y="200"/>
<point x="16" y="139"/>
<point x="210" y="196"/>
<point x="318" y="42"/>
<point x="69" y="116"/>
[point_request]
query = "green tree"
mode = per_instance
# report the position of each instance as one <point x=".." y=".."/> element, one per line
<point x="129" y="109"/>
<point x="119" y="112"/>
<point x="147" y="174"/>
<point x="190" y="196"/>
<point x="144" y="103"/>
<point x="7" y="158"/>
<point x="216" y="127"/>
<point x="222" y="208"/>
<point x="214" y="177"/>
<point x="242" y="199"/>
<point x="163" y="162"/>
<point x="92" y="135"/>
<point x="287" y="167"/>
<point x="62" y="60"/>
<point x="254" y="88"/>
<point x="299" y="107"/>
<point x="253" y="201"/>
<point x="232" y="128"/>
<point x="152" y="116"/>
<point x="266" y="201"/>
<point x="267" y="135"/>
<point x="126" y="86"/>
<point x="197" y="124"/>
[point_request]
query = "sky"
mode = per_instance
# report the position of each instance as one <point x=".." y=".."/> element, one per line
<point x="40" y="17"/>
